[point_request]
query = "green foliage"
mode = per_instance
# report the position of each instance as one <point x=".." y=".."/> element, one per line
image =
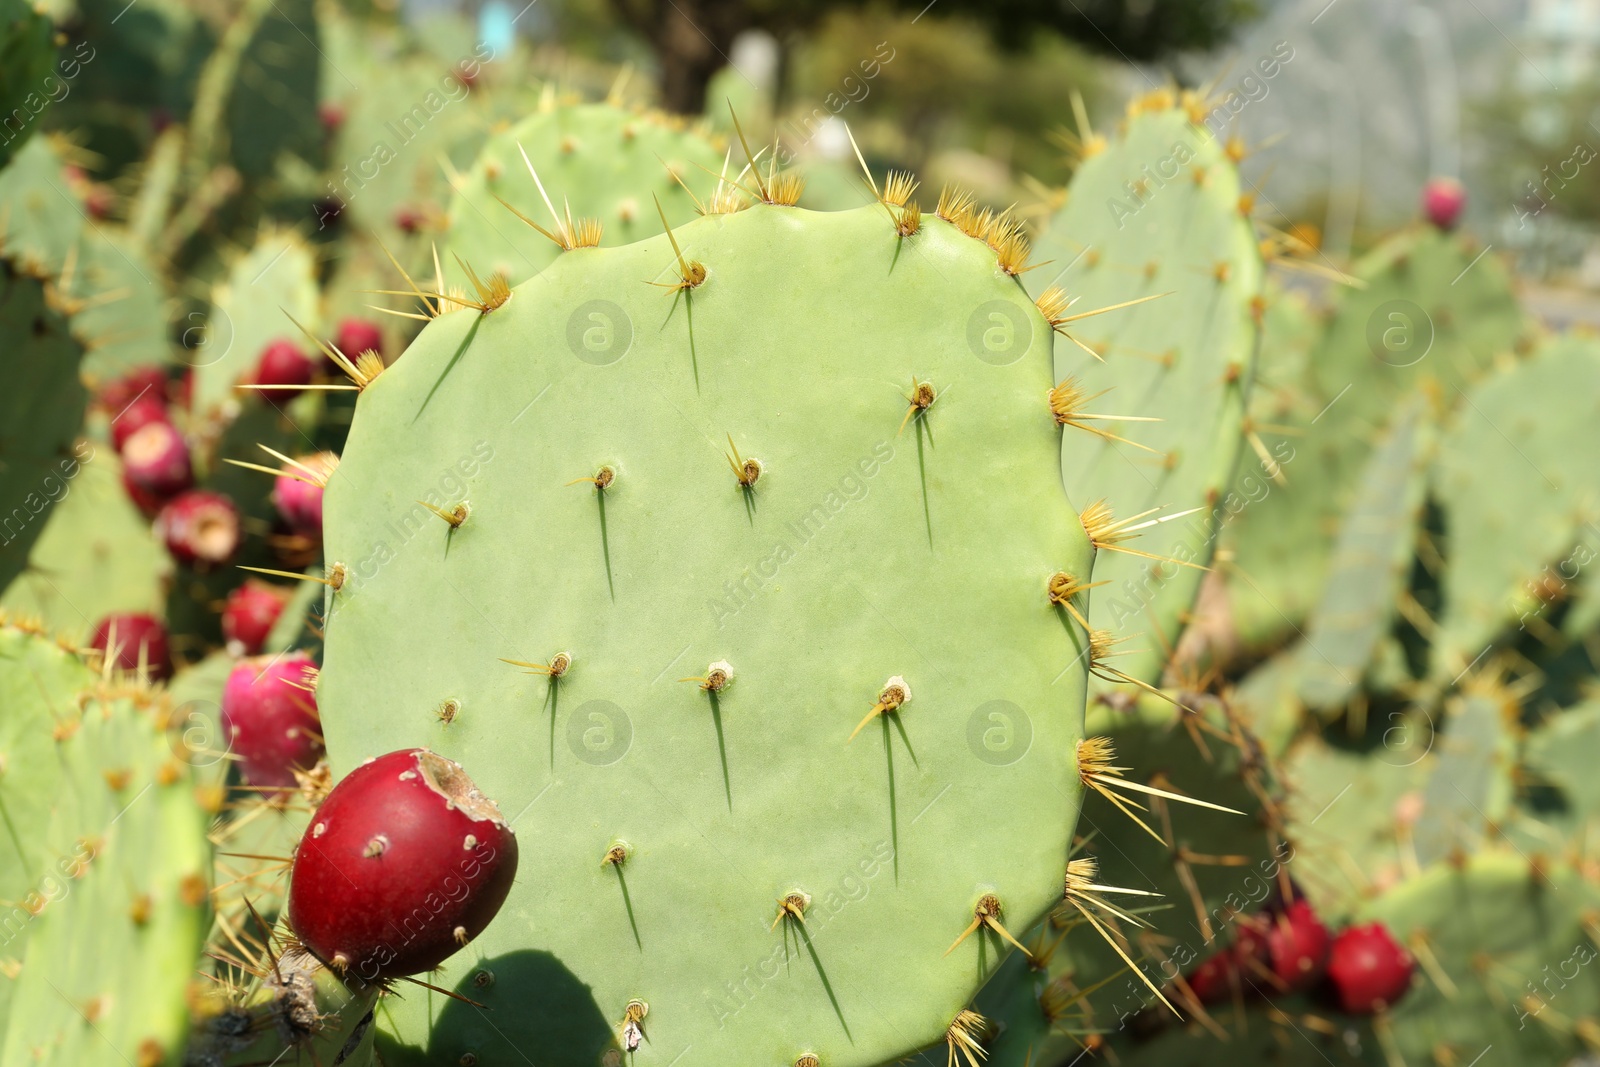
<point x="921" y="555"/>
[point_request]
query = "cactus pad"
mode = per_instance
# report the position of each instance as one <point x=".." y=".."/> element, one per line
<point x="1156" y="212"/>
<point x="702" y="626"/>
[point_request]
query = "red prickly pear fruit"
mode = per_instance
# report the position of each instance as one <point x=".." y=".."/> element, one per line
<point x="1442" y="202"/>
<point x="156" y="460"/>
<point x="148" y="503"/>
<point x="298" y="500"/>
<point x="1213" y="979"/>
<point x="135" y="416"/>
<point x="199" y="528"/>
<point x="331" y="115"/>
<point x="403" y="837"/>
<point x="270" y="721"/>
<point x="1368" y="969"/>
<point x="409" y="219"/>
<point x="249" y="615"/>
<point x="283" y="363"/>
<point x="1297" y="946"/>
<point x="137" y="383"/>
<point x="359" y="335"/>
<point x="128" y="640"/>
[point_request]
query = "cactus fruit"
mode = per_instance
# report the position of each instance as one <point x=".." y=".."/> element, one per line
<point x="1368" y="970"/>
<point x="284" y="365"/>
<point x="269" y="718"/>
<point x="155" y="461"/>
<point x="199" y="528"/>
<point x="251" y="612"/>
<point x="135" y="416"/>
<point x="357" y="336"/>
<point x="1443" y="200"/>
<point x="974" y="681"/>
<point x="297" y="492"/>
<point x="1297" y="945"/>
<point x="134" y="643"/>
<point x="598" y="163"/>
<point x="1155" y="214"/>
<point x="403" y="864"/>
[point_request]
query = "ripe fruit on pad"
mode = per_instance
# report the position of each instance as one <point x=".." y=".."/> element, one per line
<point x="199" y="528"/>
<point x="357" y="336"/>
<point x="1368" y="969"/>
<point x="138" y="384"/>
<point x="156" y="460"/>
<point x="404" y="863"/>
<point x="270" y="719"/>
<point x="135" y="416"/>
<point x="128" y="640"/>
<point x="283" y="363"/>
<point x="250" y="614"/>
<point x="1297" y="945"/>
<point x="299" y="501"/>
<point x="1442" y="202"/>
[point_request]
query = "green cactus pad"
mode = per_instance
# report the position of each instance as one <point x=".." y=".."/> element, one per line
<point x="122" y="318"/>
<point x="1517" y="484"/>
<point x="1217" y="762"/>
<point x="110" y="960"/>
<point x="41" y="220"/>
<point x="1371" y="563"/>
<point x="27" y="59"/>
<point x="1562" y="753"/>
<point x="1514" y="942"/>
<point x="39" y="684"/>
<point x="40" y="413"/>
<point x="1470" y="791"/>
<point x="1435" y="307"/>
<point x="1277" y="535"/>
<point x="600" y="159"/>
<point x="863" y="557"/>
<point x="250" y="309"/>
<point x="1158" y="211"/>
<point x="95" y="557"/>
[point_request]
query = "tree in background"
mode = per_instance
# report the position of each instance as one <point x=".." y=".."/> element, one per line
<point x="691" y="39"/>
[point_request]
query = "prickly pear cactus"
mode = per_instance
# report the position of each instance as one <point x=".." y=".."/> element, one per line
<point x="602" y="161"/>
<point x="1504" y="948"/>
<point x="1371" y="562"/>
<point x="773" y="542"/>
<point x="40" y="413"/>
<point x="1506" y="547"/>
<point x="39" y="684"/>
<point x="27" y="58"/>
<point x="126" y="855"/>
<point x="1158" y="211"/>
<point x="1202" y="868"/>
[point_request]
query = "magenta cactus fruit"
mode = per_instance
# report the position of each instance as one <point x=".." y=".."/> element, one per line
<point x="269" y="717"/>
<point x="199" y="528"/>
<point x="1297" y="946"/>
<point x="359" y="335"/>
<point x="403" y="864"/>
<point x="1442" y="202"/>
<point x="133" y="639"/>
<point x="156" y="460"/>
<point x="137" y="384"/>
<point x="249" y="615"/>
<point x="298" y="496"/>
<point x="284" y="363"/>
<point x="1367" y="969"/>
<point x="143" y="411"/>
